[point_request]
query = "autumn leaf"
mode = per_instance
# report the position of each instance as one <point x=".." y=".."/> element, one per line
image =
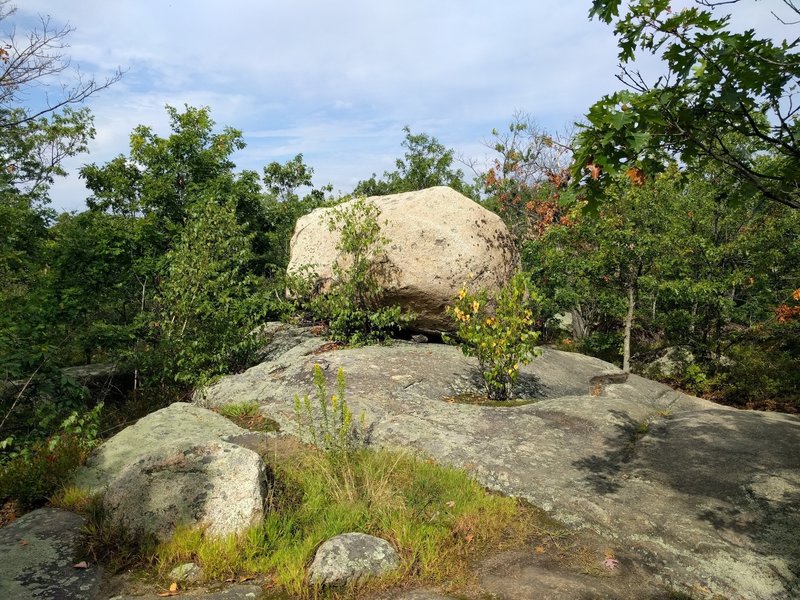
<point x="173" y="591"/>
<point x="636" y="176"/>
<point x="81" y="565"/>
<point x="796" y="294"/>
<point x="469" y="538"/>
<point x="539" y="550"/>
<point x="610" y="563"/>
<point x="595" y="170"/>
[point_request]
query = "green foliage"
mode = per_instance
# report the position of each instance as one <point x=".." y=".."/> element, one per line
<point x="329" y="421"/>
<point x="239" y="409"/>
<point x="352" y="307"/>
<point x="709" y="265"/>
<point x="205" y="306"/>
<point x="718" y="83"/>
<point x="283" y="206"/>
<point x="426" y="163"/>
<point x="33" y="476"/>
<point x="500" y="336"/>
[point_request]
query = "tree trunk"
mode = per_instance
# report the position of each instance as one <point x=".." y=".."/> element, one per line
<point x="626" y="345"/>
<point x="579" y="329"/>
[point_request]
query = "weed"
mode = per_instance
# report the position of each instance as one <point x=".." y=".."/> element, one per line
<point x="352" y="308"/>
<point x="248" y="415"/>
<point x="329" y="421"/>
<point x="72" y="498"/>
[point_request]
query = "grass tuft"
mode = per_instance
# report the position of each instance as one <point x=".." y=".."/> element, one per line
<point x="248" y="415"/>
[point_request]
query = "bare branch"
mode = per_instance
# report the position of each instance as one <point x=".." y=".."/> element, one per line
<point x="29" y="63"/>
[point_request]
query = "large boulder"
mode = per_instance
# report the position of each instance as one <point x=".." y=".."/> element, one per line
<point x="438" y="240"/>
<point x="178" y="466"/>
<point x="176" y="424"/>
<point x="218" y="486"/>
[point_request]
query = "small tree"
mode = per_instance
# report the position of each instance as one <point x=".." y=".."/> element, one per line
<point x="426" y="163"/>
<point x="500" y="338"/>
<point x="205" y="305"/>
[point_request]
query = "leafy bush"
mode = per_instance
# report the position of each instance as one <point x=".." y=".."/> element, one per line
<point x="352" y="308"/>
<point x="33" y="476"/>
<point x="502" y="338"/>
<point x="208" y="302"/>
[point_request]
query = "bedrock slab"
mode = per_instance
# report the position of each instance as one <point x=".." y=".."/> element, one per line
<point x="705" y="498"/>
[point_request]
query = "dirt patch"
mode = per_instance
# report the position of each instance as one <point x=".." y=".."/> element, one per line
<point x="483" y="400"/>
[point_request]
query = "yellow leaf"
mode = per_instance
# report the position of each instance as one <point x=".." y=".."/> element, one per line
<point x="539" y="549"/>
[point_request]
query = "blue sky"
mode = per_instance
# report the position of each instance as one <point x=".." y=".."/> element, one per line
<point x="337" y="81"/>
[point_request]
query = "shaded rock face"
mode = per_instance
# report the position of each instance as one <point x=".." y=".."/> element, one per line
<point x="216" y="485"/>
<point x="701" y="496"/>
<point x="439" y="240"/>
<point x="350" y="557"/>
<point x="175" y="467"/>
<point x="38" y="551"/>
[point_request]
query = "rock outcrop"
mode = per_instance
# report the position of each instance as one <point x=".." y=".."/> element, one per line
<point x="171" y="426"/>
<point x="176" y="467"/>
<point x="439" y="240"/>
<point x="350" y="557"/>
<point x="701" y="496"/>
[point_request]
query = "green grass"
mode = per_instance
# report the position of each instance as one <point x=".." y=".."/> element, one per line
<point x="436" y="517"/>
<point x="248" y="415"/>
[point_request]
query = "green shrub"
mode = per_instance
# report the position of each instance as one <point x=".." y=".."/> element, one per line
<point x="501" y="338"/>
<point x="352" y="307"/>
<point x="40" y="471"/>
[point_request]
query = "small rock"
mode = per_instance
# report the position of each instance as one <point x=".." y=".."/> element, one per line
<point x="350" y="557"/>
<point x="188" y="572"/>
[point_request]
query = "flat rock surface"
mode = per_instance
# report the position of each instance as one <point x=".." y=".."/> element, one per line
<point x="702" y="498"/>
<point x="37" y="554"/>
<point x="235" y="592"/>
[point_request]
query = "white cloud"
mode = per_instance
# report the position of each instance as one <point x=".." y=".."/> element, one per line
<point x="337" y="80"/>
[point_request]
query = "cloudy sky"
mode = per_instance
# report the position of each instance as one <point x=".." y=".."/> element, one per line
<point x="336" y="80"/>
